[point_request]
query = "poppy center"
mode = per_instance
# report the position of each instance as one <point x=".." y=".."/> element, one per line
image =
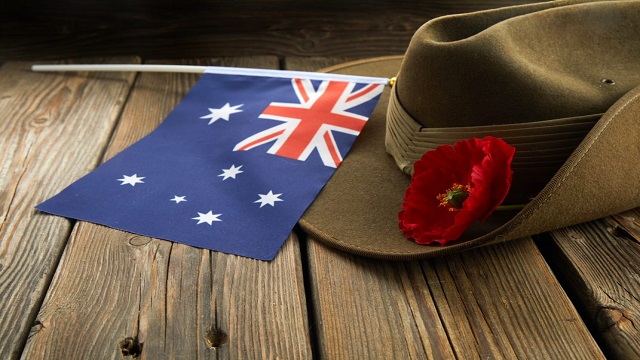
<point x="454" y="197"/>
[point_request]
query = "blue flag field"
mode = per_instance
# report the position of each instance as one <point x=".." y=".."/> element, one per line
<point x="235" y="164"/>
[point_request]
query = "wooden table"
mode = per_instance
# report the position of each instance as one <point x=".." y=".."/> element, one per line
<point x="77" y="290"/>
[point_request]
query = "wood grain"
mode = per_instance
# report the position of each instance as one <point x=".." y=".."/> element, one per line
<point x="161" y="29"/>
<point x="177" y="301"/>
<point x="500" y="302"/>
<point x="44" y="118"/>
<point x="599" y="265"/>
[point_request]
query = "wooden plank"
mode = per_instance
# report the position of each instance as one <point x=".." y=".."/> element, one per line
<point x="196" y="28"/>
<point x="44" y="118"/>
<point x="498" y="302"/>
<point x="599" y="265"/>
<point x="177" y="301"/>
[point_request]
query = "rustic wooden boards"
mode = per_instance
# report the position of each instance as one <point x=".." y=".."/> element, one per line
<point x="49" y="135"/>
<point x="599" y="265"/>
<point x="497" y="302"/>
<point x="500" y="302"/>
<point x="175" y="300"/>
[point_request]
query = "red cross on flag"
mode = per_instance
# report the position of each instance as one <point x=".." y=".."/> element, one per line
<point x="310" y="124"/>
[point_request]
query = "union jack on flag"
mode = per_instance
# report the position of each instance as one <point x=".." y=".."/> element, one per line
<point x="309" y="124"/>
<point x="201" y="179"/>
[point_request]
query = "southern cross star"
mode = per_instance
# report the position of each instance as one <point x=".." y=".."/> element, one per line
<point x="209" y="217"/>
<point x="222" y="113"/>
<point x="178" y="199"/>
<point x="231" y="172"/>
<point x="269" y="198"/>
<point x="131" y="180"/>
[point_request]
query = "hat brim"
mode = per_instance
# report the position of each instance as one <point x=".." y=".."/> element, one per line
<point x="357" y="211"/>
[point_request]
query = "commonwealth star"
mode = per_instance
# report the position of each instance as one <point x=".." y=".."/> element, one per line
<point x="221" y="113"/>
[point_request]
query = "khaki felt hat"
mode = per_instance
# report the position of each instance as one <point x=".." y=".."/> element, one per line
<point x="557" y="80"/>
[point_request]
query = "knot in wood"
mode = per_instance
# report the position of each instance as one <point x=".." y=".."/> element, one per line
<point x="575" y="236"/>
<point x="215" y="337"/>
<point x="608" y="317"/>
<point x="138" y="240"/>
<point x="619" y="232"/>
<point x="130" y="347"/>
<point x="40" y="122"/>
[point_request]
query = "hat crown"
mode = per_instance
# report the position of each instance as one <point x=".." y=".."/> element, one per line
<point x="538" y="76"/>
<point x="521" y="64"/>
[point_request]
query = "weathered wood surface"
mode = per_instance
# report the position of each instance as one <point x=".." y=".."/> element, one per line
<point x="45" y="122"/>
<point x="498" y="302"/>
<point x="501" y="302"/>
<point x="599" y="265"/>
<point x="178" y="301"/>
<point x="38" y="29"/>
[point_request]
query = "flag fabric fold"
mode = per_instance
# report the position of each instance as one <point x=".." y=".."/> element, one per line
<point x="235" y="164"/>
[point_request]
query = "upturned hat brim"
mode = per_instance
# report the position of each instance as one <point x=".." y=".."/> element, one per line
<point x="357" y="211"/>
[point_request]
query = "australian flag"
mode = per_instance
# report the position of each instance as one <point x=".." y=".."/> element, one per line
<point x="235" y="164"/>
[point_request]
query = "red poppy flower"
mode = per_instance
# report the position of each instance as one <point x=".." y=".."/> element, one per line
<point x="453" y="186"/>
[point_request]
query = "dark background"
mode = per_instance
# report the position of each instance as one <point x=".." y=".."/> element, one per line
<point x="38" y="29"/>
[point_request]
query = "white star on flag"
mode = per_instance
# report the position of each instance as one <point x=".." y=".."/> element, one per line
<point x="269" y="198"/>
<point x="209" y="217"/>
<point x="231" y="172"/>
<point x="131" y="180"/>
<point x="178" y="199"/>
<point x="222" y="113"/>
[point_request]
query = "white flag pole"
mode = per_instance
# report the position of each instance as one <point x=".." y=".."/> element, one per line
<point x="210" y="69"/>
<point x="122" y="67"/>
